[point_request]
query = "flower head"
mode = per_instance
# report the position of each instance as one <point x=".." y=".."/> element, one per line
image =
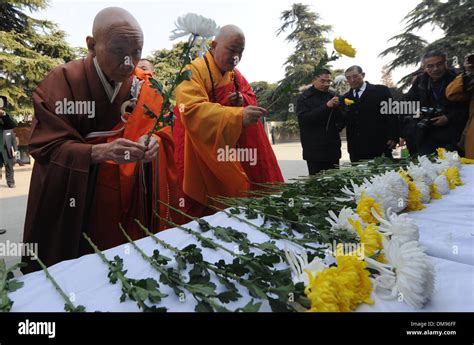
<point x="442" y="185"/>
<point x="342" y="220"/>
<point x="364" y="209"/>
<point x="343" y="47"/>
<point x="195" y="25"/>
<point x="300" y="267"/>
<point x="398" y="227"/>
<point x="452" y="174"/>
<point x="409" y="273"/>
<point x="414" y="194"/>
<point x="348" y="101"/>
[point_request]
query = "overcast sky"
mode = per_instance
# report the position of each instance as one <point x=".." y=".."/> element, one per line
<point x="366" y="24"/>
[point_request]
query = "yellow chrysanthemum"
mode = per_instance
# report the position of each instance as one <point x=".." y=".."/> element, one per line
<point x="441" y="151"/>
<point x="340" y="288"/>
<point x="452" y="174"/>
<point x="350" y="264"/>
<point x="414" y="195"/>
<point x="348" y="101"/>
<point x="364" y="209"/>
<point x="434" y="194"/>
<point x="369" y="237"/>
<point x="343" y="47"/>
<point x="467" y="161"/>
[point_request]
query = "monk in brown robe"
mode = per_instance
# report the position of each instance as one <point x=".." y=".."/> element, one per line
<point x="221" y="145"/>
<point x="93" y="169"/>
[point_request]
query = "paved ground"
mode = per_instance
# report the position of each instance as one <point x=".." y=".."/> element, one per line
<point x="13" y="200"/>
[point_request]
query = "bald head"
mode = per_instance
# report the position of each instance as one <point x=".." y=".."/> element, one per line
<point x="110" y="19"/>
<point x="229" y="32"/>
<point x="116" y="42"/>
<point x="228" y="47"/>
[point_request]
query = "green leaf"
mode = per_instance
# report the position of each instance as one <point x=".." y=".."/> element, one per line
<point x="251" y="307"/>
<point x="14" y="285"/>
<point x="203" y="307"/>
<point x="157" y="85"/>
<point x="202" y="289"/>
<point x="229" y="296"/>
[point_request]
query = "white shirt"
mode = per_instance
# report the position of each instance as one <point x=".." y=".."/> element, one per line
<point x="109" y="90"/>
<point x="361" y="90"/>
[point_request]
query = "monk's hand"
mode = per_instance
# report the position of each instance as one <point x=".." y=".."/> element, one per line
<point x="151" y="150"/>
<point x="123" y="151"/>
<point x="236" y="99"/>
<point x="252" y="114"/>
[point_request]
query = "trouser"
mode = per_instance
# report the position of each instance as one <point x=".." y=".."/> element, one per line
<point x="8" y="170"/>
<point x="315" y="167"/>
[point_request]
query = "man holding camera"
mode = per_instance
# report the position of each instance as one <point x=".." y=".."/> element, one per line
<point x="440" y="121"/>
<point x="7" y="143"/>
<point x="320" y="122"/>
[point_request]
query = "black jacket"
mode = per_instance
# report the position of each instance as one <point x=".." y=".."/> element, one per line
<point x="7" y="138"/>
<point x="319" y="126"/>
<point x="367" y="129"/>
<point x="457" y="113"/>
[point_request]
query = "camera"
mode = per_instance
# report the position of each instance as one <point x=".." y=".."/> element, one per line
<point x="426" y="114"/>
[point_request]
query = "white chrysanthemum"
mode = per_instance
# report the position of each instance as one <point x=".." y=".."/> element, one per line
<point x="356" y="192"/>
<point x="451" y="159"/>
<point x="342" y="221"/>
<point x="425" y="191"/>
<point x="409" y="274"/>
<point x="442" y="184"/>
<point x="418" y="173"/>
<point x="390" y="190"/>
<point x="195" y="25"/>
<point x="431" y="169"/>
<point x="398" y="227"/>
<point x="299" y="262"/>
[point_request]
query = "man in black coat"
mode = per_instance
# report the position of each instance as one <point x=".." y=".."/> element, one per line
<point x="444" y="127"/>
<point x="320" y="123"/>
<point x="7" y="143"/>
<point x="369" y="133"/>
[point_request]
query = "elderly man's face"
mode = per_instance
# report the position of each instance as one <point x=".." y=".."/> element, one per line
<point x="228" y="53"/>
<point x="435" y="66"/>
<point x="355" y="79"/>
<point x="118" y="52"/>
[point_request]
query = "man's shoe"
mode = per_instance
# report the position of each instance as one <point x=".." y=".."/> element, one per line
<point x="11" y="185"/>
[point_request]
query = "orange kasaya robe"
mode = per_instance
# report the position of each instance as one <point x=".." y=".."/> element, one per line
<point x="127" y="192"/>
<point x="206" y="126"/>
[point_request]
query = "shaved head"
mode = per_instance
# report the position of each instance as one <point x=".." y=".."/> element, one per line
<point x="111" y="18"/>
<point x="228" y="47"/>
<point x="116" y="42"/>
<point x="229" y="32"/>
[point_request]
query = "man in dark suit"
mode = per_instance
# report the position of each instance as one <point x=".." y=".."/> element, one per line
<point x="7" y="143"/>
<point x="320" y="122"/>
<point x="369" y="133"/>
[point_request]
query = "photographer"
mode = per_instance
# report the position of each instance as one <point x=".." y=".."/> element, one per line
<point x="461" y="90"/>
<point x="7" y="144"/>
<point x="440" y="122"/>
<point x="320" y="122"/>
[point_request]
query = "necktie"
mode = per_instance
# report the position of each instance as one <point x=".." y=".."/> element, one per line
<point x="357" y="94"/>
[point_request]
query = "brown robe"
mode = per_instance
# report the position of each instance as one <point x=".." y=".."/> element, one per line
<point x="63" y="179"/>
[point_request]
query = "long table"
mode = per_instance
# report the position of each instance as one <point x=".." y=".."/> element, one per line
<point x="446" y="231"/>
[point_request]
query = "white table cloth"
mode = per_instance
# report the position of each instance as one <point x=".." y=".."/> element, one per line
<point x="446" y="230"/>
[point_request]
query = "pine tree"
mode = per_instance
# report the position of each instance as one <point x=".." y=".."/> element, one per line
<point x="29" y="49"/>
<point x="454" y="17"/>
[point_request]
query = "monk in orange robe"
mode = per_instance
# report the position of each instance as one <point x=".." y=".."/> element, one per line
<point x="221" y="145"/>
<point x="93" y="168"/>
